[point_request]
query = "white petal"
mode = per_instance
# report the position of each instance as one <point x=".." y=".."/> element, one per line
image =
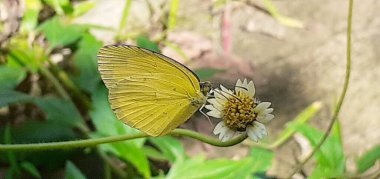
<point x="261" y="127"/>
<point x="223" y="131"/>
<point x="226" y="94"/>
<point x="237" y="133"/>
<point x="212" y="101"/>
<point x="216" y="104"/>
<point x="269" y="110"/>
<point x="218" y="127"/>
<point x="224" y="89"/>
<point x="261" y="107"/>
<point x="251" y="89"/>
<point x="265" y="118"/>
<point x="244" y="87"/>
<point x="212" y="108"/>
<point x="238" y="86"/>
<point x="215" y="114"/>
<point x="245" y="83"/>
<point x="258" y="132"/>
<point x="222" y="100"/>
<point x="239" y="83"/>
<point x="228" y="135"/>
<point x="251" y="133"/>
<point x="219" y="95"/>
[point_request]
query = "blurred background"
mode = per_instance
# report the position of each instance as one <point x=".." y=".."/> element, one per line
<point x="294" y="51"/>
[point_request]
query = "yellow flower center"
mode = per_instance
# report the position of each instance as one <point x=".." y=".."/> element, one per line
<point x="238" y="112"/>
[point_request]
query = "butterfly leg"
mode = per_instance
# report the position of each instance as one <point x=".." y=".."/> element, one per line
<point x="200" y="110"/>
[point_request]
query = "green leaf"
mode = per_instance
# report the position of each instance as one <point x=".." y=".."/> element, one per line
<point x="262" y="159"/>
<point x="48" y="131"/>
<point x="30" y="17"/>
<point x="24" y="55"/>
<point x="61" y="7"/>
<point x="330" y="158"/>
<point x="12" y="158"/>
<point x="154" y="154"/>
<point x="133" y="154"/>
<point x="368" y="159"/>
<point x="206" y="73"/>
<point x="60" y="111"/>
<point x="124" y="18"/>
<point x="72" y="172"/>
<point x="31" y="131"/>
<point x="280" y="18"/>
<point x="82" y="8"/>
<point x="55" y="109"/>
<point x="144" y="42"/>
<point x="60" y="34"/>
<point x="86" y="62"/>
<point x="173" y="13"/>
<point x="30" y="168"/>
<point x="107" y="124"/>
<point x="219" y="168"/>
<point x="8" y="97"/>
<point x="170" y="147"/>
<point x="10" y="77"/>
<point x="301" y="118"/>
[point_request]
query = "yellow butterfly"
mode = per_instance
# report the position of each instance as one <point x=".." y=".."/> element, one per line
<point x="149" y="91"/>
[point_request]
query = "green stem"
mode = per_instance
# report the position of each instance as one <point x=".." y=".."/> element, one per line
<point x="109" y="164"/>
<point x="341" y="98"/>
<point x="124" y="18"/>
<point x="61" y="91"/>
<point x="93" y="142"/>
<point x="207" y="139"/>
<point x="69" y="84"/>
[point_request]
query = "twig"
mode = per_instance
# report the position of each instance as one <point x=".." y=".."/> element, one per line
<point x="342" y="96"/>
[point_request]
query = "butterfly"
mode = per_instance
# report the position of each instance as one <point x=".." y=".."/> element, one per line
<point x="150" y="91"/>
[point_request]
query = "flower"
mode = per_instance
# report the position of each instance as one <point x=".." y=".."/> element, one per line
<point x="240" y="112"/>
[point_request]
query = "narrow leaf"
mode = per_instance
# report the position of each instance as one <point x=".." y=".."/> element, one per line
<point x="72" y="172"/>
<point x="60" y="34"/>
<point x="262" y="159"/>
<point x="368" y="159"/>
<point x="8" y="97"/>
<point x="170" y="147"/>
<point x="10" y="77"/>
<point x="173" y="13"/>
<point x="31" y="169"/>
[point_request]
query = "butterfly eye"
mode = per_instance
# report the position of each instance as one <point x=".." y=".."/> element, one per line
<point x="206" y="87"/>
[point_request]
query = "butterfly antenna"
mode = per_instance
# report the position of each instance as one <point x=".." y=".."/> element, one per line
<point x="242" y="87"/>
<point x="200" y="110"/>
<point x="234" y="96"/>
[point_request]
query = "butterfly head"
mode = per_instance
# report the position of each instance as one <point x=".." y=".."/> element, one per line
<point x="206" y="87"/>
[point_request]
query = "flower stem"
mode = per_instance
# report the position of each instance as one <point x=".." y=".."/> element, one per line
<point x="93" y="142"/>
<point x="341" y="98"/>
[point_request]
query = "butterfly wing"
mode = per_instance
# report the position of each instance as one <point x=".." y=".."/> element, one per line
<point x="147" y="90"/>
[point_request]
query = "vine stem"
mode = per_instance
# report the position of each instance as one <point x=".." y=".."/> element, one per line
<point x="97" y="141"/>
<point x="341" y="98"/>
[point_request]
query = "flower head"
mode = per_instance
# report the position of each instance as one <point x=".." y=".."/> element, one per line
<point x="240" y="112"/>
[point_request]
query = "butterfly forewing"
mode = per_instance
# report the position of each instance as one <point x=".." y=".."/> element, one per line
<point x="147" y="90"/>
